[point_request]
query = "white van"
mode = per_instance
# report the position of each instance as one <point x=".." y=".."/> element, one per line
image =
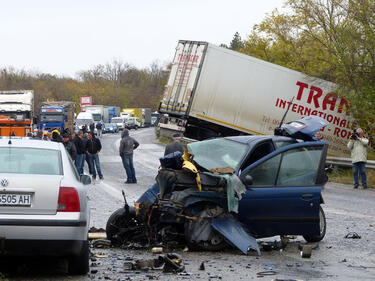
<point x="84" y="118"/>
<point x="133" y="123"/>
<point x="119" y="121"/>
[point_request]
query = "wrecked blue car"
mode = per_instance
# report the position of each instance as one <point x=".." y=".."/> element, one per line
<point x="233" y="190"/>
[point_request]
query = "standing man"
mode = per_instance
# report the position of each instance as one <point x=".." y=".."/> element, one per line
<point x="176" y="145"/>
<point x="358" y="146"/>
<point x="69" y="146"/>
<point x="99" y="127"/>
<point x="127" y="145"/>
<point x="93" y="148"/>
<point x="84" y="128"/>
<point x="85" y="156"/>
<point x="92" y="127"/>
<point x="77" y="140"/>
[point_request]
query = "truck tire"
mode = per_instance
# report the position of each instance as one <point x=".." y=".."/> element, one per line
<point x="79" y="265"/>
<point x="322" y="228"/>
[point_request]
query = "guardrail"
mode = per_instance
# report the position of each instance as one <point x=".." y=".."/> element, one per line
<point x="347" y="162"/>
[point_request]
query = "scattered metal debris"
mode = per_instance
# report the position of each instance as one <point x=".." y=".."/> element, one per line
<point x="202" y="267"/>
<point x="266" y="273"/>
<point x="352" y="235"/>
<point x="101" y="243"/>
<point x="306" y="251"/>
<point x="157" y="250"/>
<point x="171" y="263"/>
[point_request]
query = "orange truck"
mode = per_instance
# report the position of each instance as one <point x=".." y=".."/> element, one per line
<point x="16" y="112"/>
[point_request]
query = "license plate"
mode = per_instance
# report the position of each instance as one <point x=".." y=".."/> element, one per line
<point x="9" y="199"/>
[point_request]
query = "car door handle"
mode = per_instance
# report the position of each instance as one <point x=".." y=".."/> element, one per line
<point x="307" y="196"/>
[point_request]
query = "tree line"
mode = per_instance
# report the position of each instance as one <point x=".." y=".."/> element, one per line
<point x="115" y="83"/>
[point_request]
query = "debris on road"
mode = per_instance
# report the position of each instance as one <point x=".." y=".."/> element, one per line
<point x="169" y="263"/>
<point x="306" y="251"/>
<point x="202" y="267"/>
<point x="266" y="273"/>
<point x="101" y="243"/>
<point x="97" y="233"/>
<point x="352" y="235"/>
<point x="157" y="250"/>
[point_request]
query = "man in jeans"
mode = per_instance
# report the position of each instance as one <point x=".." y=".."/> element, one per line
<point x="358" y="146"/>
<point x="127" y="145"/>
<point x="99" y="127"/>
<point x="77" y="140"/>
<point x="93" y="148"/>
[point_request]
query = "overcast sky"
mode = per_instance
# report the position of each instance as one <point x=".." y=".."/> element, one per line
<point x="64" y="37"/>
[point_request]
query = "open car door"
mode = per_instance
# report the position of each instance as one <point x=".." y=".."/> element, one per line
<point x="284" y="191"/>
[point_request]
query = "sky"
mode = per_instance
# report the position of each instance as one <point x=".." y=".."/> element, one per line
<point x="65" y="37"/>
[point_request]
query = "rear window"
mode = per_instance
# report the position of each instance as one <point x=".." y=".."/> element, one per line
<point x="30" y="161"/>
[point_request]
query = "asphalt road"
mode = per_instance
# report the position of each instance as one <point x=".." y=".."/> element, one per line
<point x="334" y="258"/>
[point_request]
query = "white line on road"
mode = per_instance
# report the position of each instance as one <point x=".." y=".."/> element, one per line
<point x="114" y="192"/>
<point x="350" y="214"/>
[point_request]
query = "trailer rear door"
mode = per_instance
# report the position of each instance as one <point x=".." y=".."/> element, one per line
<point x="182" y="79"/>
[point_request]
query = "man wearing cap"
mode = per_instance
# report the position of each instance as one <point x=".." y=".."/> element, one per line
<point x="69" y="146"/>
<point x="175" y="146"/>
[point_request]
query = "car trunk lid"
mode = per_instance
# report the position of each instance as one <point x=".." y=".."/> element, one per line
<point x="29" y="194"/>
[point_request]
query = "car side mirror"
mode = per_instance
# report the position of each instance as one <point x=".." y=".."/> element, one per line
<point x="85" y="179"/>
<point x="247" y="180"/>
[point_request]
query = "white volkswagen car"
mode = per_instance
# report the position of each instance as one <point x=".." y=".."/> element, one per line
<point x="43" y="203"/>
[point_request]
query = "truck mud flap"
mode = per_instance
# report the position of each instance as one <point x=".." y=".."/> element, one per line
<point x="233" y="231"/>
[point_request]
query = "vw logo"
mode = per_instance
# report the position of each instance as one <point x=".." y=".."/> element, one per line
<point x="4" y="182"/>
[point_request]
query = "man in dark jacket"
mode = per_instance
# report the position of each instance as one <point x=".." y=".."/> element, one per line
<point x="69" y="146"/>
<point x="77" y="140"/>
<point x="92" y="127"/>
<point x="175" y="146"/>
<point x="84" y="128"/>
<point x="99" y="127"/>
<point x="93" y="148"/>
<point x="84" y="142"/>
<point x="127" y="145"/>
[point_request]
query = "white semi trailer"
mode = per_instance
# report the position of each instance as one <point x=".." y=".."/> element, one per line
<point x="213" y="91"/>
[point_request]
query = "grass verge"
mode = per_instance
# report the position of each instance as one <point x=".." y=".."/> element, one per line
<point x="164" y="140"/>
<point x="345" y="176"/>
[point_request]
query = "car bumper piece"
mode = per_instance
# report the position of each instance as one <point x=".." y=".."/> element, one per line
<point x="233" y="231"/>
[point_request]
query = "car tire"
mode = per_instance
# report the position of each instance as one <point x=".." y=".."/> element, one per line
<point x="79" y="265"/>
<point x="113" y="224"/>
<point x="217" y="241"/>
<point x="322" y="228"/>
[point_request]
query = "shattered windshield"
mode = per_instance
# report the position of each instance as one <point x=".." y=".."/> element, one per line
<point x="218" y="153"/>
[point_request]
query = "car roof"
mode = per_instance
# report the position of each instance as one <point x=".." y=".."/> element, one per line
<point x="31" y="143"/>
<point x="257" y="138"/>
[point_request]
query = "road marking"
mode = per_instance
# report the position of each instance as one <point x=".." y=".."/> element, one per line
<point x="346" y="213"/>
<point x="114" y="192"/>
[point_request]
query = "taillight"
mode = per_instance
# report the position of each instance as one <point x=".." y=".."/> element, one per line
<point x="68" y="200"/>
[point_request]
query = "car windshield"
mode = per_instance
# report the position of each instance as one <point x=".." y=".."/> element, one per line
<point x="57" y="118"/>
<point x="83" y="121"/>
<point x="117" y="120"/>
<point x="108" y="125"/>
<point x="21" y="160"/>
<point x="218" y="153"/>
